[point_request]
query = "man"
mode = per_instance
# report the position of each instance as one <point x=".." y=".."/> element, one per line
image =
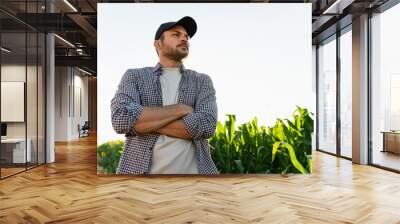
<point x="166" y="112"/>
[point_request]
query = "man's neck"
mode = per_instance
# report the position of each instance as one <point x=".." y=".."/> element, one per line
<point x="167" y="63"/>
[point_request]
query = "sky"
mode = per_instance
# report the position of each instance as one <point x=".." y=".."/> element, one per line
<point x="258" y="55"/>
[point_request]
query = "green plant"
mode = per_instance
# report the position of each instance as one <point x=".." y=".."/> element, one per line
<point x="108" y="155"/>
<point x="283" y="148"/>
<point x="249" y="148"/>
<point x="292" y="143"/>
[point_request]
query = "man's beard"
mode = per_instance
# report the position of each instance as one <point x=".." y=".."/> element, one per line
<point x="175" y="54"/>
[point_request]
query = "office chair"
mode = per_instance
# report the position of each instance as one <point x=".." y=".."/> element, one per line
<point x="84" y="130"/>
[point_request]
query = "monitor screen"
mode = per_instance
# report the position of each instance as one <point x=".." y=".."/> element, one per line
<point x="3" y="129"/>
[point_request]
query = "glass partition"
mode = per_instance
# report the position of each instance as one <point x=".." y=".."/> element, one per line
<point x="22" y="78"/>
<point x="13" y="95"/>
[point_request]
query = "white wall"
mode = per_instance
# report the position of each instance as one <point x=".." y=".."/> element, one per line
<point x="81" y="83"/>
<point x="12" y="73"/>
<point x="61" y="104"/>
<point x="33" y="127"/>
<point x="68" y="81"/>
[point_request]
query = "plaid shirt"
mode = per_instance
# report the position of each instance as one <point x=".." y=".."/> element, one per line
<point x="141" y="87"/>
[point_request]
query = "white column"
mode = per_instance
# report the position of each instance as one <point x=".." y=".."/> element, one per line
<point x="360" y="90"/>
<point x="50" y="93"/>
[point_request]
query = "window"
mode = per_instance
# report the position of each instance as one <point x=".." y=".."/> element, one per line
<point x="327" y="96"/>
<point x="346" y="94"/>
<point x="385" y="89"/>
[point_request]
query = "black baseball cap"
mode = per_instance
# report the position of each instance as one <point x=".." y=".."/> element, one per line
<point x="187" y="22"/>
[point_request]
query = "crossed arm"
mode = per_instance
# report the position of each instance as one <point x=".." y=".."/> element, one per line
<point x="164" y="120"/>
<point x="175" y="129"/>
<point x="179" y="120"/>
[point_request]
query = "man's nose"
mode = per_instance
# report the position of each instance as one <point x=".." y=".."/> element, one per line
<point x="185" y="38"/>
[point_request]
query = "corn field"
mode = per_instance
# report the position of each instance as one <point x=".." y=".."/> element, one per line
<point x="283" y="148"/>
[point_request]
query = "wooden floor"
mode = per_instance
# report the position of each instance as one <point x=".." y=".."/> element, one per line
<point x="70" y="191"/>
<point x="387" y="159"/>
<point x="10" y="171"/>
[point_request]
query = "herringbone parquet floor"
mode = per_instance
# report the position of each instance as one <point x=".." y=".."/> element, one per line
<point x="70" y="191"/>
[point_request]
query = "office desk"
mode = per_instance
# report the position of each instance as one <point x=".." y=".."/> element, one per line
<point x="391" y="141"/>
<point x="13" y="150"/>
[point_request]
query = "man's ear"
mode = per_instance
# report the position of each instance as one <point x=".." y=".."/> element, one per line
<point x="157" y="44"/>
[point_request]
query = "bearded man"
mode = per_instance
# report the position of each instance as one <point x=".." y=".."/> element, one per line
<point x="167" y="112"/>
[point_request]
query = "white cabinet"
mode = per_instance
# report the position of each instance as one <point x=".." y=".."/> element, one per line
<point x="18" y="152"/>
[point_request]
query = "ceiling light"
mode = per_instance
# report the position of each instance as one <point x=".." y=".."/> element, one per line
<point x="64" y="40"/>
<point x="337" y="7"/>
<point x="86" y="72"/>
<point x="70" y="5"/>
<point x="331" y="7"/>
<point x="5" y="49"/>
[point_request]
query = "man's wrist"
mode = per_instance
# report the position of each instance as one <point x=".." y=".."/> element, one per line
<point x="160" y="130"/>
<point x="180" y="110"/>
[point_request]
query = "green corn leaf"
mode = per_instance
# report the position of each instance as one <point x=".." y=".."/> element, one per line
<point x="220" y="128"/>
<point x="293" y="128"/>
<point x="231" y="128"/>
<point x="274" y="149"/>
<point x="293" y="158"/>
<point x="309" y="159"/>
<point x="259" y="149"/>
<point x="275" y="132"/>
<point x="239" y="165"/>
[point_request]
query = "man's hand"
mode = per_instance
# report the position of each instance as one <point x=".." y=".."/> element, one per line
<point x="175" y="129"/>
<point x="154" y="118"/>
<point x="186" y="109"/>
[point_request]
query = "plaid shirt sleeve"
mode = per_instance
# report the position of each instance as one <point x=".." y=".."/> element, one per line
<point x="201" y="124"/>
<point x="125" y="106"/>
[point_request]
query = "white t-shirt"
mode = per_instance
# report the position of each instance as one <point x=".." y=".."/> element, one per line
<point x="172" y="155"/>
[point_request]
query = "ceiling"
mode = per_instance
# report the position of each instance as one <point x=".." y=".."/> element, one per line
<point x="76" y="22"/>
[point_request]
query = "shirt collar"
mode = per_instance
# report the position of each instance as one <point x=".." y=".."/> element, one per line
<point x="157" y="70"/>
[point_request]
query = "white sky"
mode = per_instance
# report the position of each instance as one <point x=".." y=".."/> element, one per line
<point x="257" y="54"/>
